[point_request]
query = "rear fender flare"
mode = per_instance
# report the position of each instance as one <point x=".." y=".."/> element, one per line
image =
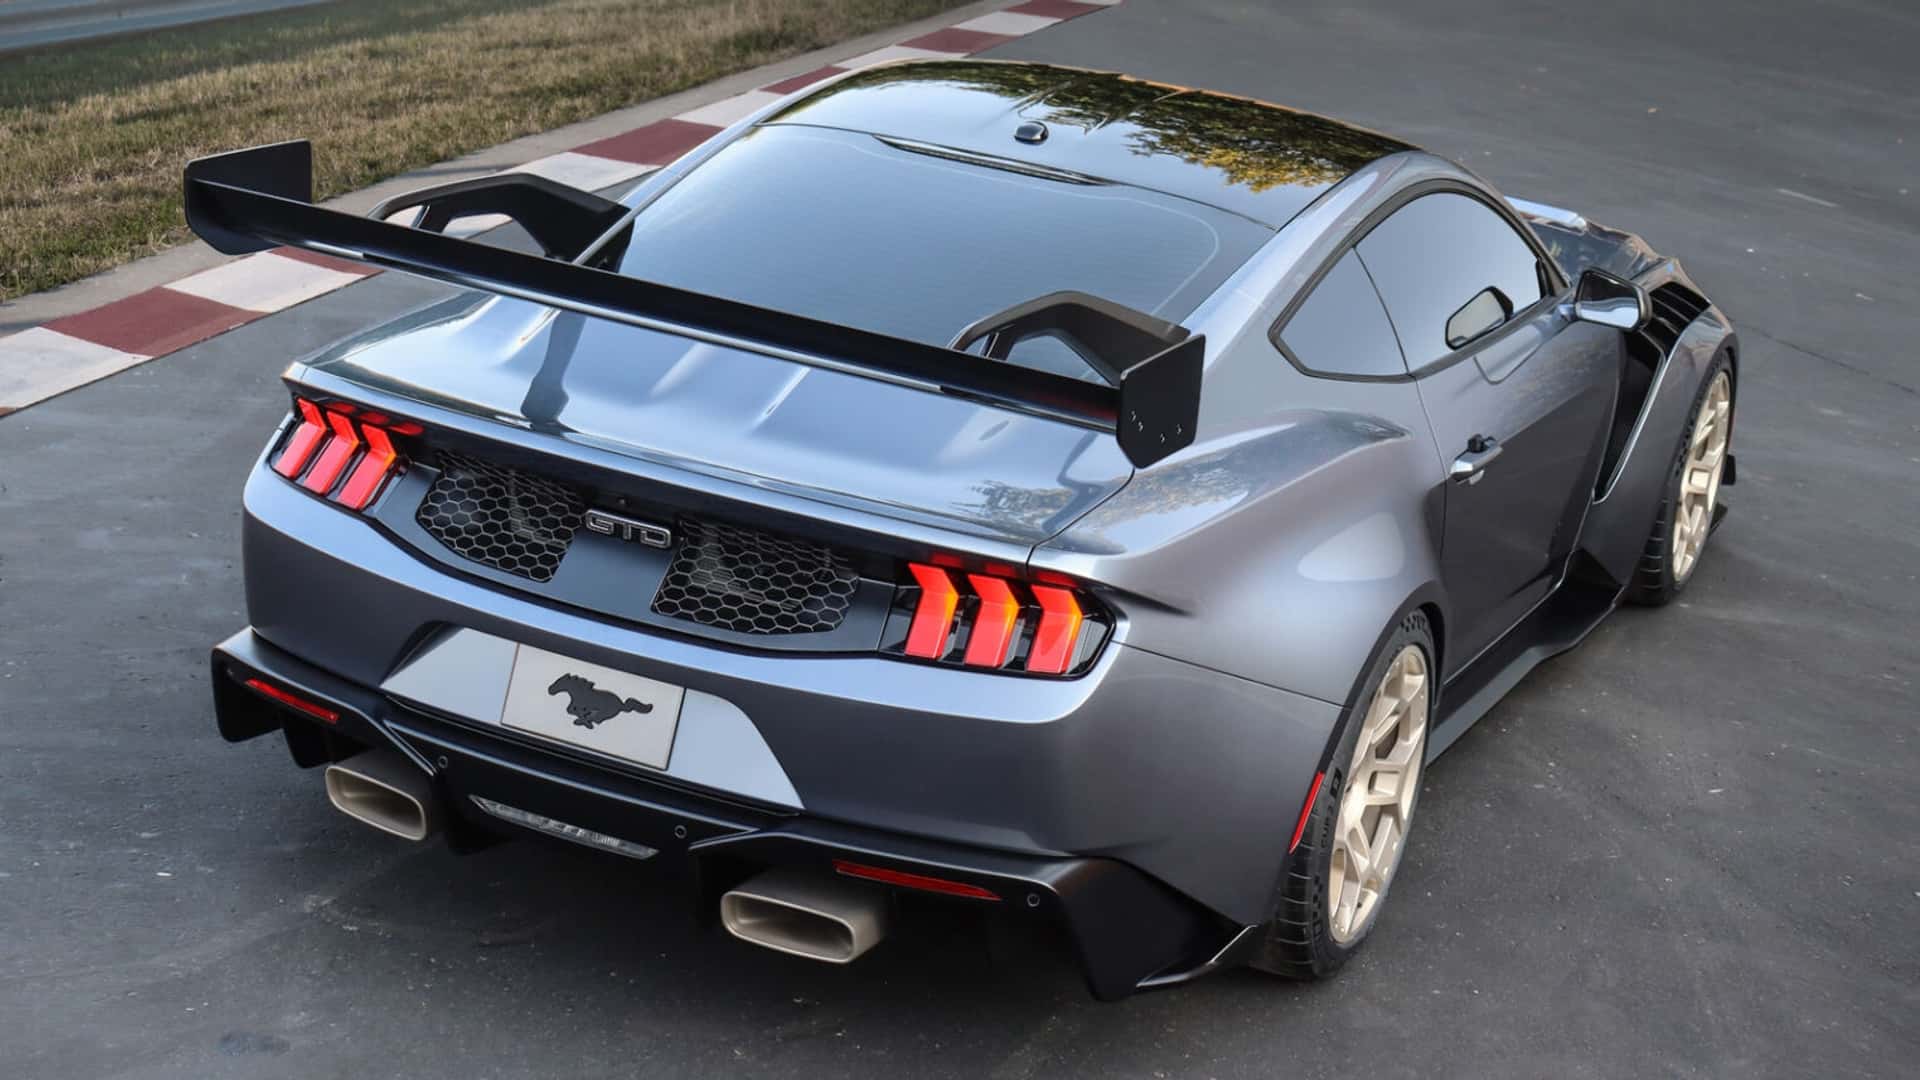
<point x="1429" y="599"/>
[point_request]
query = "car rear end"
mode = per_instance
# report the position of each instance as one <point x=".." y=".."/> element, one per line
<point x="515" y="568"/>
<point x="880" y="703"/>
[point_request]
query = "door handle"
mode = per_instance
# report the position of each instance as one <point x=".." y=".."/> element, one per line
<point x="1471" y="466"/>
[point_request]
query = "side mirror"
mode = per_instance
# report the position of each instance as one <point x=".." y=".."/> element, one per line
<point x="1611" y="300"/>
<point x="1488" y="311"/>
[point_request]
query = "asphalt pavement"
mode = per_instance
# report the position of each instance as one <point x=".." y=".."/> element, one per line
<point x="1687" y="849"/>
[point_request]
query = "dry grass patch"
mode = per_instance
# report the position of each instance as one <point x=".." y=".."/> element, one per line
<point x="93" y="137"/>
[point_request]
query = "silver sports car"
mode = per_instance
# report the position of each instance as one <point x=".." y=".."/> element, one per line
<point x="1079" y="497"/>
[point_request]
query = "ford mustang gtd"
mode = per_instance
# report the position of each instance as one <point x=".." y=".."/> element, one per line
<point x="1084" y="498"/>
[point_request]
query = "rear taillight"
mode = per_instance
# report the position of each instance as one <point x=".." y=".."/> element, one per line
<point x="984" y="620"/>
<point x="340" y="456"/>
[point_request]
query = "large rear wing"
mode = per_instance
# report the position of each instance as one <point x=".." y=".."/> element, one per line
<point x="251" y="200"/>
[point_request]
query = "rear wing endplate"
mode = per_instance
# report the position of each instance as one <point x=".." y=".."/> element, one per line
<point x="252" y="200"/>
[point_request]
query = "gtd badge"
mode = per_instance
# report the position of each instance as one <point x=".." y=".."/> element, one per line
<point x="626" y="528"/>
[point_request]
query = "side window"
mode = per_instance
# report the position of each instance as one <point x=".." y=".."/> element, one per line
<point x="1432" y="261"/>
<point x="1341" y="329"/>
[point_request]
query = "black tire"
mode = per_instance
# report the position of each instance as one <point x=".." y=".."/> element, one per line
<point x="1654" y="583"/>
<point x="1297" y="942"/>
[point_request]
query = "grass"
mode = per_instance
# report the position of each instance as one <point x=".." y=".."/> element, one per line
<point x="93" y="136"/>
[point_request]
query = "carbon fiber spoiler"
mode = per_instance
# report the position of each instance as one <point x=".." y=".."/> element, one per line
<point x="252" y="200"/>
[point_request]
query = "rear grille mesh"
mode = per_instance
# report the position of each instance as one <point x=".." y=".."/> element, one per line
<point x="721" y="575"/>
<point x="500" y="517"/>
<point x="752" y="582"/>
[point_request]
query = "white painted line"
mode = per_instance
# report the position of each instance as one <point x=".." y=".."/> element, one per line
<point x="584" y="171"/>
<point x="39" y="363"/>
<point x="1808" y="198"/>
<point x="1008" y="22"/>
<point x="263" y="282"/>
<point x="724" y="112"/>
<point x="895" y="52"/>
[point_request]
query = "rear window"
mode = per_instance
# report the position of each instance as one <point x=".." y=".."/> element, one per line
<point x="844" y="227"/>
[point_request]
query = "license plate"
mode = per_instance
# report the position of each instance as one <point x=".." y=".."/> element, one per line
<point x="611" y="712"/>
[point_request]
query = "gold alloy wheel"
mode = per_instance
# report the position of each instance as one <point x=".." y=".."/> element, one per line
<point x="1700" y="477"/>
<point x="1377" y="802"/>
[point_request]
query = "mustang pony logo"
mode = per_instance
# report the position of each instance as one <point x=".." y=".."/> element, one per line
<point x="589" y="705"/>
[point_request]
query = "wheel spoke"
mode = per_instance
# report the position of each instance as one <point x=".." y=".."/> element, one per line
<point x="1346" y="902"/>
<point x="1412" y="685"/>
<point x="1382" y="789"/>
<point x="1359" y="851"/>
<point x="1385" y="845"/>
<point x="1379" y="718"/>
<point x="1410" y="778"/>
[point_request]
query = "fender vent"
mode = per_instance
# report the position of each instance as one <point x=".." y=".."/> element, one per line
<point x="751" y="582"/>
<point x="1674" y="308"/>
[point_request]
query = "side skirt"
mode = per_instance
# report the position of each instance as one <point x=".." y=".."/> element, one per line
<point x="1562" y="621"/>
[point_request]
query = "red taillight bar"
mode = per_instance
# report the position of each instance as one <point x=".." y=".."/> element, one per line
<point x="913" y="881"/>
<point x="992" y="636"/>
<point x="303" y="442"/>
<point x="334" y="456"/>
<point x="1059" y="630"/>
<point x="292" y="700"/>
<point x="367" y="476"/>
<point x="933" y="618"/>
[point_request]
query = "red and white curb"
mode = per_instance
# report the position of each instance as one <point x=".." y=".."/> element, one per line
<point x="50" y="359"/>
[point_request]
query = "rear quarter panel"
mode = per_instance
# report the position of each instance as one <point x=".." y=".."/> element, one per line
<point x="1278" y="554"/>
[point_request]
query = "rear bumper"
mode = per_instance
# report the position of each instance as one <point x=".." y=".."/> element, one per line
<point x="1128" y="930"/>
<point x="1191" y="776"/>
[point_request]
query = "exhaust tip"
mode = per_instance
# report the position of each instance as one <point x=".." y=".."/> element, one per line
<point x="382" y="789"/>
<point x="814" y="916"/>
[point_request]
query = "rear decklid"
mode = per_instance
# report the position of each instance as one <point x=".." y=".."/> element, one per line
<point x="938" y="460"/>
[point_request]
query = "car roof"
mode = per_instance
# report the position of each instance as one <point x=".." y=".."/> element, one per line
<point x="1263" y="161"/>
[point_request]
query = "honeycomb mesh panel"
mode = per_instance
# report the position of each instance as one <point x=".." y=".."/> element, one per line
<point x="753" y="582"/>
<point x="500" y="517"/>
